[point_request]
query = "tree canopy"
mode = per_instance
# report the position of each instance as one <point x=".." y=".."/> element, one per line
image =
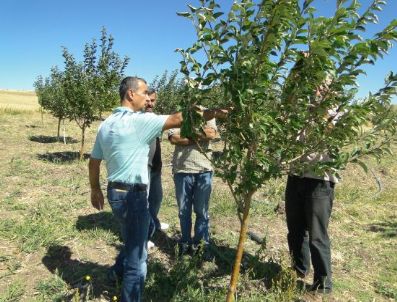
<point x="292" y="78"/>
<point x="86" y="89"/>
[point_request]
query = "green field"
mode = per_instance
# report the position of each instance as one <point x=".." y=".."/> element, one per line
<point x="51" y="238"/>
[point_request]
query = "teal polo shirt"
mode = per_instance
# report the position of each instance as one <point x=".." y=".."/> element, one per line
<point x="123" y="141"/>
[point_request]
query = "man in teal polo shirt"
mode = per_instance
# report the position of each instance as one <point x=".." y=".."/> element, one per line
<point x="123" y="141"/>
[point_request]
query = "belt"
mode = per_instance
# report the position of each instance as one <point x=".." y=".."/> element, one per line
<point x="127" y="187"/>
<point x="332" y="184"/>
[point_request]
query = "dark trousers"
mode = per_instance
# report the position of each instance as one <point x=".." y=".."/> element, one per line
<point x="308" y="205"/>
<point x="155" y="197"/>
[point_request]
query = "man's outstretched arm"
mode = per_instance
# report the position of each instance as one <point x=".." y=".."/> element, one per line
<point x="175" y="120"/>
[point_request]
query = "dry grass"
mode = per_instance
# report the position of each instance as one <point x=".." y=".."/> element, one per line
<point x="18" y="100"/>
<point x="45" y="214"/>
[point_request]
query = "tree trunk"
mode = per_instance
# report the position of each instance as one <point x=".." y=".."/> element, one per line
<point x="42" y="115"/>
<point x="59" y="129"/>
<point x="82" y="142"/>
<point x="64" y="132"/>
<point x="240" y="248"/>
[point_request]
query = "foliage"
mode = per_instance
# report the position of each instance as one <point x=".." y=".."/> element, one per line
<point x="169" y="90"/>
<point x="91" y="86"/>
<point x="84" y="90"/>
<point x="250" y="55"/>
<point x="291" y="77"/>
<point x="51" y="95"/>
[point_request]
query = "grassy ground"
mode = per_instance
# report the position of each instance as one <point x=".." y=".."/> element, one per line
<point x="51" y="238"/>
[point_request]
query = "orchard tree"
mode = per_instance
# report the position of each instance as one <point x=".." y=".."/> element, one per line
<point x="91" y="86"/>
<point x="291" y="77"/>
<point x="169" y="90"/>
<point x="51" y="95"/>
<point x="172" y="89"/>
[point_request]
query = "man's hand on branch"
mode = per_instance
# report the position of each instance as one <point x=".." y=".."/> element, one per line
<point x="222" y="113"/>
<point x="208" y="114"/>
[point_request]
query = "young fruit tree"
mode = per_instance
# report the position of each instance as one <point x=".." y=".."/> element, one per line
<point x="51" y="97"/>
<point x="91" y="86"/>
<point x="169" y="90"/>
<point x="291" y="77"/>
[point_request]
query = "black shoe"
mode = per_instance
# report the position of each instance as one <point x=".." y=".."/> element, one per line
<point x="318" y="288"/>
<point x="299" y="274"/>
<point x="208" y="255"/>
<point x="324" y="291"/>
<point x="203" y="251"/>
<point x="183" y="249"/>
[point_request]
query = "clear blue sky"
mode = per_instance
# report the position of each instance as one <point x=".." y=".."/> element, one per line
<point x="33" y="31"/>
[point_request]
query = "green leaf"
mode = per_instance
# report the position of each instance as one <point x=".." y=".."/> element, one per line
<point x="306" y="4"/>
<point x="218" y="14"/>
<point x="192" y="8"/>
<point x="184" y="14"/>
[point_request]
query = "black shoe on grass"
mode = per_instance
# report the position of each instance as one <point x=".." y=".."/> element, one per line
<point x="319" y="288"/>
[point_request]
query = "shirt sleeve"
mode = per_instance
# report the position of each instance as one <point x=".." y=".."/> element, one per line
<point x="150" y="126"/>
<point x="97" y="151"/>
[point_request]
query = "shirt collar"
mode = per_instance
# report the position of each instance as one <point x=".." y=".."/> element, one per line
<point x="125" y="109"/>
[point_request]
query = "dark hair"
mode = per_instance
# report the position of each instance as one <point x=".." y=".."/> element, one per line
<point x="151" y="91"/>
<point x="129" y="83"/>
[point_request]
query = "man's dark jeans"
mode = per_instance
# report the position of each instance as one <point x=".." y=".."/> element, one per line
<point x="155" y="197"/>
<point x="131" y="209"/>
<point x="308" y="205"/>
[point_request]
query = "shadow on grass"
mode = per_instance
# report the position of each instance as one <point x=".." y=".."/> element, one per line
<point x="191" y="278"/>
<point x="44" y="139"/>
<point x="258" y="269"/>
<point x="102" y="220"/>
<point x="387" y="229"/>
<point x="180" y="278"/>
<point x="221" y="255"/>
<point x="106" y="221"/>
<point x="61" y="157"/>
<point x="58" y="260"/>
<point x="172" y="275"/>
<point x="165" y="243"/>
<point x="32" y="126"/>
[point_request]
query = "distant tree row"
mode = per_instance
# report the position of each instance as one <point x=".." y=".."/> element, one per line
<point x="172" y="89"/>
<point x="83" y="91"/>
